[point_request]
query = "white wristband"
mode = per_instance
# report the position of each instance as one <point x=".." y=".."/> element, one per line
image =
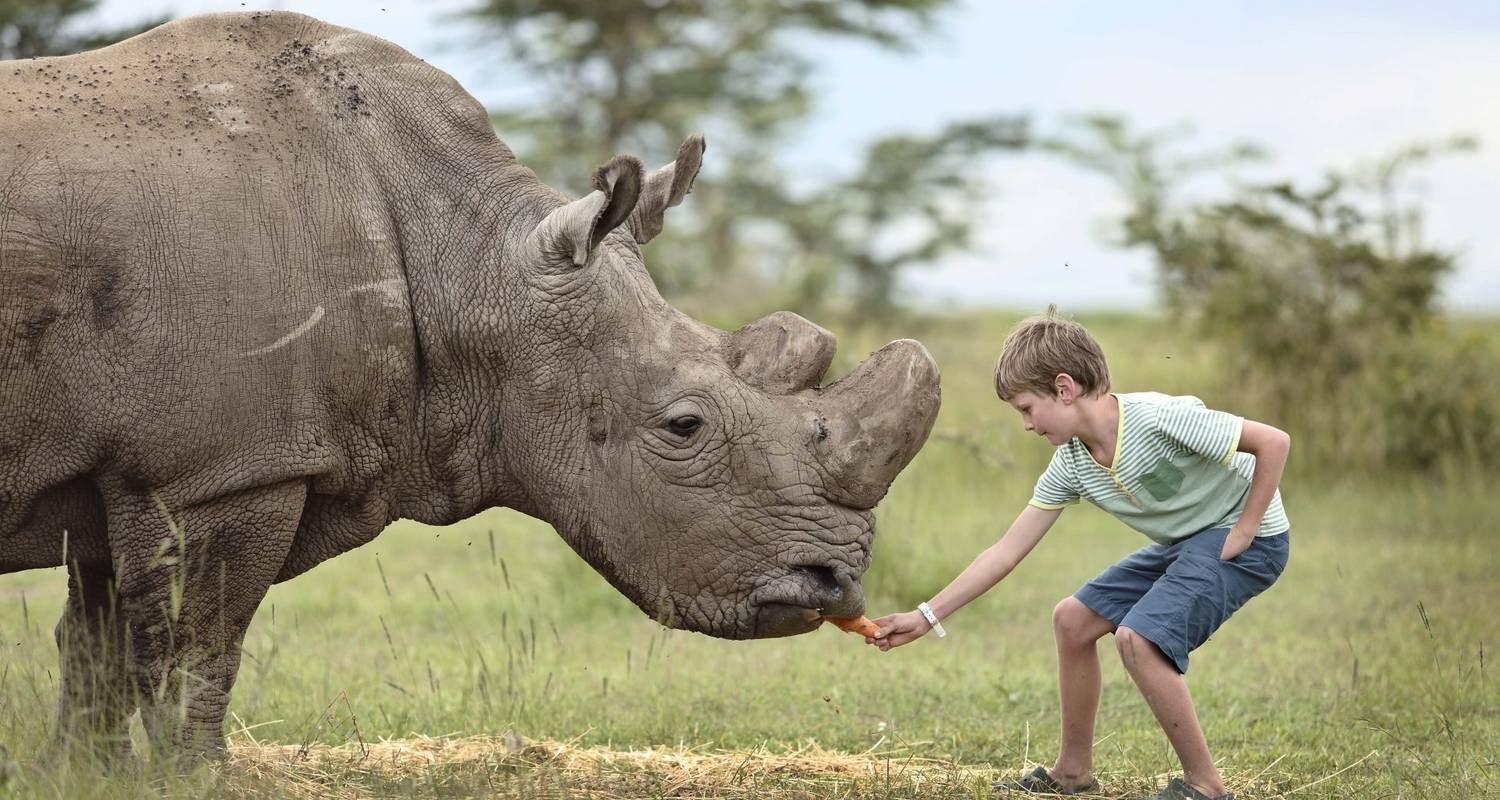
<point x="937" y="627"/>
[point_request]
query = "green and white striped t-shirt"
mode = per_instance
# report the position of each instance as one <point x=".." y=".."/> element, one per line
<point x="1176" y="471"/>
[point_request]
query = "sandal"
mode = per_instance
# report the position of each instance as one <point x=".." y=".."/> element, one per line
<point x="1040" y="781"/>
<point x="1179" y="789"/>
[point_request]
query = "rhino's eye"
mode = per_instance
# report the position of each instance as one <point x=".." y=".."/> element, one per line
<point x="684" y="425"/>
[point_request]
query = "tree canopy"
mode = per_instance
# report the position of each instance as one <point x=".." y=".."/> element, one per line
<point x="638" y="78"/>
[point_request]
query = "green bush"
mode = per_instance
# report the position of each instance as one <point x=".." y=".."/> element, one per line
<point x="1439" y="402"/>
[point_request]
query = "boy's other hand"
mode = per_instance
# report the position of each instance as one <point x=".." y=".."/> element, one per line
<point x="898" y="629"/>
<point x="1238" y="541"/>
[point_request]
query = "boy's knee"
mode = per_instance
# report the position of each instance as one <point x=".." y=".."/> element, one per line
<point x="1076" y="624"/>
<point x="1132" y="646"/>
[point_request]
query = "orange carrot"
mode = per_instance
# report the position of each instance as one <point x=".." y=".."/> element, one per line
<point x="860" y="625"/>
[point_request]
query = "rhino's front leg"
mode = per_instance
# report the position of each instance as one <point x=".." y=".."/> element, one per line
<point x="95" y="697"/>
<point x="189" y="583"/>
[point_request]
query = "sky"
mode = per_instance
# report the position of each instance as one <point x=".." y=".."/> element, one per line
<point x="1326" y="85"/>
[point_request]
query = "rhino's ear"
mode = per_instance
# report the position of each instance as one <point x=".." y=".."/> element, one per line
<point x="666" y="187"/>
<point x="570" y="233"/>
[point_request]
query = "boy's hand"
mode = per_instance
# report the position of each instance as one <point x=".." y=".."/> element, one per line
<point x="898" y="629"/>
<point x="1238" y="541"/>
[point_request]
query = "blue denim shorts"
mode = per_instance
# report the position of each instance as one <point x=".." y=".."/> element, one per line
<point x="1176" y="595"/>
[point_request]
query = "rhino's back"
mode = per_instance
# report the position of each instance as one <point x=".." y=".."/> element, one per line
<point x="201" y="283"/>
<point x="258" y="75"/>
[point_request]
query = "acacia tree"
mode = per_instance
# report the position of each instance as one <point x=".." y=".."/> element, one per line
<point x="912" y="200"/>
<point x="36" y="28"/>
<point x="636" y="77"/>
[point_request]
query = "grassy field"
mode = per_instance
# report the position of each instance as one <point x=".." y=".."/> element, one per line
<point x="487" y="659"/>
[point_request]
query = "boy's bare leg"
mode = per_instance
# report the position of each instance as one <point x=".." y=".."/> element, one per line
<point x="1077" y="630"/>
<point x="1166" y="692"/>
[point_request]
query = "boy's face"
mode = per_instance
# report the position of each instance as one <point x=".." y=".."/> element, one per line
<point x="1048" y="416"/>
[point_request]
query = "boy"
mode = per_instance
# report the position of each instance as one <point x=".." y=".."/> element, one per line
<point x="1201" y="484"/>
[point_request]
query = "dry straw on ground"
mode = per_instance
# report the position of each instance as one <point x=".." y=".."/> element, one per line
<point x="510" y="767"/>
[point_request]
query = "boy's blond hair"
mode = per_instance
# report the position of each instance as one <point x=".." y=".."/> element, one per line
<point x="1041" y="348"/>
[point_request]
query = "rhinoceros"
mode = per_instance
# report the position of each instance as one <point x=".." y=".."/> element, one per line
<point x="268" y="284"/>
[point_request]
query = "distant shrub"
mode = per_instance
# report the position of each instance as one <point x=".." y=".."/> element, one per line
<point x="1324" y="300"/>
<point x="1439" y="402"/>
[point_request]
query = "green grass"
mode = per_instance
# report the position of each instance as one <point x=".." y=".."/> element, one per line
<point x="1376" y="649"/>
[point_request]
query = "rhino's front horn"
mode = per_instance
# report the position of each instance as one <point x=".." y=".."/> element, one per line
<point x="781" y="353"/>
<point x="874" y="421"/>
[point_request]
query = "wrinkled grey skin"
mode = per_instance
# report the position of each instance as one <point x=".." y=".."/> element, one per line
<point x="267" y="285"/>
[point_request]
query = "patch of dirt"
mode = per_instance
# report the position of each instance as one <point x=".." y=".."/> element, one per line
<point x="511" y="767"/>
<point x="301" y="61"/>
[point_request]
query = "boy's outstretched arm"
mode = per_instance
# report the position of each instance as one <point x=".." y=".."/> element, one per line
<point x="1270" y="447"/>
<point x="987" y="569"/>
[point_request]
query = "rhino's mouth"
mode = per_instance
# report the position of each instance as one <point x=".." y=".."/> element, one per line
<point x="782" y="619"/>
<point x="797" y="602"/>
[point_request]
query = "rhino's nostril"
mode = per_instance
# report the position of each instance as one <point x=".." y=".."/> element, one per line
<point x="827" y="582"/>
